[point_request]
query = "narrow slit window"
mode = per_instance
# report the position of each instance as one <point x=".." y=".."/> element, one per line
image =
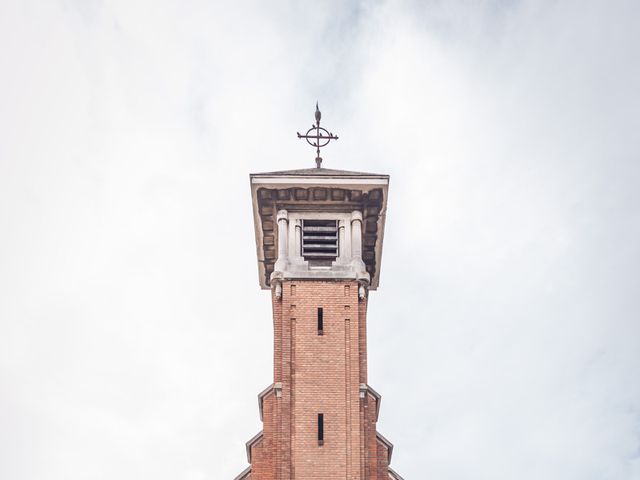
<point x="320" y="429"/>
<point x="320" y="321"/>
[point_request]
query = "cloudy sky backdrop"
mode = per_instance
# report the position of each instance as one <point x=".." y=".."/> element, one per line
<point x="505" y="336"/>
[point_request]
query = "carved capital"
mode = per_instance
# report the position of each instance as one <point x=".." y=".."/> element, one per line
<point x="282" y="215"/>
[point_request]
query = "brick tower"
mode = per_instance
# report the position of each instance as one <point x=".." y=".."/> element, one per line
<point x="319" y="236"/>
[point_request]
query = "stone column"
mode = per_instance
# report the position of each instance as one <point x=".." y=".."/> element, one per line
<point x="283" y="227"/>
<point x="342" y="241"/>
<point x="356" y="236"/>
<point x="298" y="238"/>
<point x="356" y="248"/>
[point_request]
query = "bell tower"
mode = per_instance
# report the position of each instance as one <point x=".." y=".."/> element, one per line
<point x="319" y="235"/>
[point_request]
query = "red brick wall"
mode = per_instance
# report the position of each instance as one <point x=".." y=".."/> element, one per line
<point x="319" y="374"/>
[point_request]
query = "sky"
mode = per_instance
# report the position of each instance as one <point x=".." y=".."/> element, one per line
<point x="505" y="335"/>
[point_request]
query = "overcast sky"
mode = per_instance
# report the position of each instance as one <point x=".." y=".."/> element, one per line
<point x="505" y="335"/>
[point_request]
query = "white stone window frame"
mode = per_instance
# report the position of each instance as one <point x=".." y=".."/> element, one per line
<point x="295" y="233"/>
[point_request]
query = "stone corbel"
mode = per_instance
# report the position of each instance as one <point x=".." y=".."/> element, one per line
<point x="363" y="288"/>
<point x="276" y="284"/>
<point x="363" y="390"/>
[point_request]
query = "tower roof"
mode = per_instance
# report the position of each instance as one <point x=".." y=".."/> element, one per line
<point x="319" y="172"/>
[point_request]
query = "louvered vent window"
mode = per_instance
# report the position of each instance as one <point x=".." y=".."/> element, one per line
<point x="320" y="239"/>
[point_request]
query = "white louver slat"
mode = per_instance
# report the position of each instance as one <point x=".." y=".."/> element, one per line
<point x="319" y="239"/>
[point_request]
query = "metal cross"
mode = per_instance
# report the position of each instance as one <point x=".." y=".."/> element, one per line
<point x="320" y="138"/>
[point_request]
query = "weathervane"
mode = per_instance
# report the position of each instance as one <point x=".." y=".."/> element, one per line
<point x="320" y="138"/>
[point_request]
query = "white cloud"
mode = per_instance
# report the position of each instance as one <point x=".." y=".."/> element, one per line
<point x="504" y="337"/>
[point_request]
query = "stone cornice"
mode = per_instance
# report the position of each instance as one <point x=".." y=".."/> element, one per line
<point x="386" y="443"/>
<point x="368" y="390"/>
<point x="251" y="443"/>
<point x="261" y="397"/>
<point x="394" y="475"/>
<point x="245" y="475"/>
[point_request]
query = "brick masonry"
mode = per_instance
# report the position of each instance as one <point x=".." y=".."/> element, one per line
<point x="319" y="373"/>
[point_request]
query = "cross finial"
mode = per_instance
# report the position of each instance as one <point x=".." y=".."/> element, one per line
<point x="319" y="138"/>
